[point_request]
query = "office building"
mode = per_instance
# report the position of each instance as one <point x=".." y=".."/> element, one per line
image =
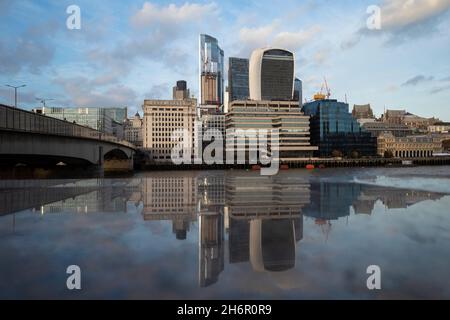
<point x="298" y="91"/>
<point x="211" y="66"/>
<point x="118" y="129"/>
<point x="118" y="114"/>
<point x="271" y="74"/>
<point x="410" y="146"/>
<point x="161" y="119"/>
<point x="336" y="132"/>
<point x="377" y="127"/>
<point x="133" y="128"/>
<point x="238" y="79"/>
<point x="293" y="126"/>
<point x="96" y="118"/>
<point x="180" y="91"/>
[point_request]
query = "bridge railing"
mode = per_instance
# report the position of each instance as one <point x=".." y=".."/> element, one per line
<point x="21" y="120"/>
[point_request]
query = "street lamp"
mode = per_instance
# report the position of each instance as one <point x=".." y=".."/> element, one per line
<point x="15" y="92"/>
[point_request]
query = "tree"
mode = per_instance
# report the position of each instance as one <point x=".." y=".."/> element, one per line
<point x="388" y="154"/>
<point x="354" y="154"/>
<point x="336" y="154"/>
<point x="446" y="145"/>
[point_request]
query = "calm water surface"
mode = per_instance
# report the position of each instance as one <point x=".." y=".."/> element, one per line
<point x="229" y="234"/>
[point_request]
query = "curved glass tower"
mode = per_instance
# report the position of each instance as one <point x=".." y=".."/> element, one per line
<point x="271" y="74"/>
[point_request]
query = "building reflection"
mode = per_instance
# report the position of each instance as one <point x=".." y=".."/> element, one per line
<point x="171" y="196"/>
<point x="240" y="216"/>
<point x="265" y="219"/>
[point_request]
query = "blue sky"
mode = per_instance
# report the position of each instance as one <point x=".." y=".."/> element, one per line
<point x="130" y="50"/>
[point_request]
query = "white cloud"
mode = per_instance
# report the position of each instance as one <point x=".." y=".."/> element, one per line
<point x="83" y="92"/>
<point x="404" y="20"/>
<point x="151" y="14"/>
<point x="401" y="13"/>
<point x="271" y="35"/>
<point x="295" y="40"/>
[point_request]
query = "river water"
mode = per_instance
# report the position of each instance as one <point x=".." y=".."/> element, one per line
<point x="229" y="234"/>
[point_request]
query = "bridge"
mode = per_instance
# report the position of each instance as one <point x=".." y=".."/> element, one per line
<point x="31" y="139"/>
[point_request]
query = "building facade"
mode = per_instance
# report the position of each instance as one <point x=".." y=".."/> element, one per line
<point x="362" y="111"/>
<point x="133" y="128"/>
<point x="238" y="79"/>
<point x="410" y="146"/>
<point x="335" y="131"/>
<point x="96" y="118"/>
<point x="377" y="127"/>
<point x="293" y="126"/>
<point x="161" y="119"/>
<point x="298" y="91"/>
<point x="180" y="91"/>
<point x="271" y="74"/>
<point x="211" y="66"/>
<point x="442" y="127"/>
<point x="118" y="114"/>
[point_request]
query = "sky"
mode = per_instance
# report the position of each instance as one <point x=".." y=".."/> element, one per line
<point x="128" y="51"/>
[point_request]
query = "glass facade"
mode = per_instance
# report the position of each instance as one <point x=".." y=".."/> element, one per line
<point x="333" y="128"/>
<point x="97" y="118"/>
<point x="211" y="68"/>
<point x="238" y="79"/>
<point x="298" y="91"/>
<point x="277" y="75"/>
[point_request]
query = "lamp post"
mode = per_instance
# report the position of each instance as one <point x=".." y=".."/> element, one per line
<point x="15" y="92"/>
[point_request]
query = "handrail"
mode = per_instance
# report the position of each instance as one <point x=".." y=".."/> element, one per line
<point x="23" y="120"/>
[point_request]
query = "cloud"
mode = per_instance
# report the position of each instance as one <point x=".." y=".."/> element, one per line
<point x="398" y="14"/>
<point x="31" y="51"/>
<point x="162" y="32"/>
<point x="271" y="35"/>
<point x="158" y="91"/>
<point x="404" y="20"/>
<point x="321" y="56"/>
<point x="23" y="96"/>
<point x="295" y="40"/>
<point x="171" y="15"/>
<point x="83" y="92"/>
<point x="417" y="80"/>
<point x="440" y="89"/>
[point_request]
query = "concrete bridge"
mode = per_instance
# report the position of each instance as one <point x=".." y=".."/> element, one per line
<point x="36" y="140"/>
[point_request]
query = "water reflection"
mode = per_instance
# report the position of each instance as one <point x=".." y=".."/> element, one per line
<point x="240" y="216"/>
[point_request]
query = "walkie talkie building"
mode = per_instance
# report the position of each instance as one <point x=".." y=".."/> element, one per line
<point x="271" y="74"/>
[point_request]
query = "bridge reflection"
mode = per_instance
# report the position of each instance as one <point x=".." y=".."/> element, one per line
<point x="239" y="216"/>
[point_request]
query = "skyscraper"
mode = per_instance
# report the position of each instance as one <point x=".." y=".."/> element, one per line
<point x="298" y="91"/>
<point x="180" y="91"/>
<point x="211" y="81"/>
<point x="238" y="79"/>
<point x="271" y="74"/>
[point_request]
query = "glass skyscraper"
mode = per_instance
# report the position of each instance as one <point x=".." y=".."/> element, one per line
<point x="298" y="91"/>
<point x="211" y="77"/>
<point x="271" y="74"/>
<point x="238" y="79"/>
<point x="334" y="130"/>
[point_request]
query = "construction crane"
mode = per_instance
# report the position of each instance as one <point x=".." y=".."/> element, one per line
<point x="321" y="95"/>
<point x="328" y="94"/>
<point x="43" y="101"/>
